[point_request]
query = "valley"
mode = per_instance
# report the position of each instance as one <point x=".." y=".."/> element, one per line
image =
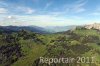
<point x="24" y="47"/>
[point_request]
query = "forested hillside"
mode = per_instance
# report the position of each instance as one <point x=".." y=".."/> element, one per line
<point x="24" y="48"/>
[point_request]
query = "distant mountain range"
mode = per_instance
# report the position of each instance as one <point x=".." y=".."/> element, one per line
<point x="9" y="29"/>
<point x="50" y="29"/>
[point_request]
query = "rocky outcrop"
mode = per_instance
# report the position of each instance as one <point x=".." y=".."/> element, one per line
<point x="93" y="26"/>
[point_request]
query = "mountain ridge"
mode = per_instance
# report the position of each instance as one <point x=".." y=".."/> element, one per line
<point x="10" y="29"/>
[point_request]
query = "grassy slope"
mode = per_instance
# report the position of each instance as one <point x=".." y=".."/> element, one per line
<point x="91" y="53"/>
<point x="31" y="50"/>
<point x="35" y="53"/>
<point x="87" y="32"/>
<point x="95" y="47"/>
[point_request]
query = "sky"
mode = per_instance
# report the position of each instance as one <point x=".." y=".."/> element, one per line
<point x="49" y="12"/>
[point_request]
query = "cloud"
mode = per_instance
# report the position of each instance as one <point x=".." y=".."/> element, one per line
<point x="47" y="5"/>
<point x="30" y="11"/>
<point x="48" y="20"/>
<point x="3" y="10"/>
<point x="95" y="14"/>
<point x="77" y="17"/>
<point x="79" y="6"/>
<point x="15" y="8"/>
<point x="80" y="1"/>
<point x="26" y="10"/>
<point x="38" y="20"/>
<point x="9" y="17"/>
<point x="76" y="7"/>
<point x="57" y="13"/>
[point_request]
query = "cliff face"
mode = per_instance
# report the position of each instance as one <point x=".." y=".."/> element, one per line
<point x="94" y="26"/>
